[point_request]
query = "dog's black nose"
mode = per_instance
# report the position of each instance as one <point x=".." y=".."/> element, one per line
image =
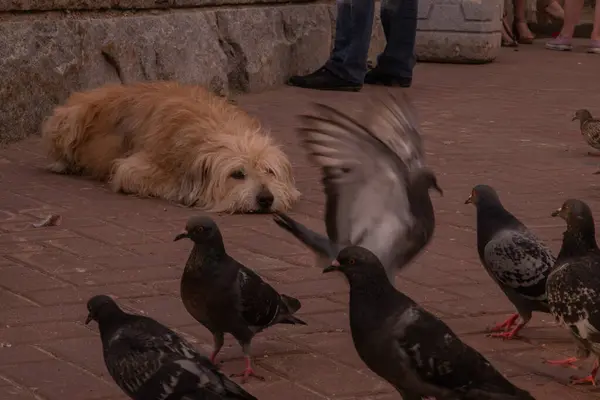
<point x="265" y="199"/>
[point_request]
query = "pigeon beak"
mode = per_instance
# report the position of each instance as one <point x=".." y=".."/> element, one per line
<point x="89" y="319"/>
<point x="556" y="213"/>
<point x="574" y="118"/>
<point x="335" y="265"/>
<point x="181" y="236"/>
<point x="469" y="200"/>
<point x="439" y="190"/>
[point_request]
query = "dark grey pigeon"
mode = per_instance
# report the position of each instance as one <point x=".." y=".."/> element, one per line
<point x="574" y="284"/>
<point x="409" y="347"/>
<point x="375" y="180"/>
<point x="151" y="362"/>
<point x="513" y="256"/>
<point x="227" y="297"/>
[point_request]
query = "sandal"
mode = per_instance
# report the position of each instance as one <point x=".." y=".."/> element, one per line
<point x="528" y="38"/>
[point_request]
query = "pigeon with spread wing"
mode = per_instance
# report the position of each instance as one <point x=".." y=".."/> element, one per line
<point x="375" y="180"/>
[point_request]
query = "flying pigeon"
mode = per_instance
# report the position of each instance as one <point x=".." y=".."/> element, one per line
<point x="409" y="347"/>
<point x="227" y="297"/>
<point x="574" y="284"/>
<point x="375" y="180"/>
<point x="151" y="362"/>
<point x="513" y="256"/>
<point x="590" y="129"/>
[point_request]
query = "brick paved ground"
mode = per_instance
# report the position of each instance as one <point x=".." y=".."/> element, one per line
<point x="507" y="124"/>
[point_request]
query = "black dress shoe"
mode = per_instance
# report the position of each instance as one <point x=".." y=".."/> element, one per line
<point x="323" y="79"/>
<point x="375" y="77"/>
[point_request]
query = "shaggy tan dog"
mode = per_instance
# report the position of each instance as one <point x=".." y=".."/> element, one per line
<point x="178" y="142"/>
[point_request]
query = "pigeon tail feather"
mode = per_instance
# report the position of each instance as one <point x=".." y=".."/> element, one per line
<point x="292" y="303"/>
<point x="234" y="391"/>
<point x="316" y="242"/>
<point x="291" y="320"/>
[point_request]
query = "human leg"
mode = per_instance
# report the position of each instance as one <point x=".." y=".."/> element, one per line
<point x="347" y="65"/>
<point x="595" y="36"/>
<point x="572" y="14"/>
<point x="554" y="9"/>
<point x="395" y="64"/>
<point x="525" y="36"/>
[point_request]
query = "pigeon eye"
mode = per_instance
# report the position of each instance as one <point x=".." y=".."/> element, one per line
<point x="238" y="174"/>
<point x="352" y="261"/>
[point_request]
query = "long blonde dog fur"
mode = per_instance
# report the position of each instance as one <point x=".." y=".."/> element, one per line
<point x="173" y="141"/>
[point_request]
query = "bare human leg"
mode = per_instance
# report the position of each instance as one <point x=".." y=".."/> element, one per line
<point x="572" y="14"/>
<point x="595" y="36"/>
<point x="525" y="36"/>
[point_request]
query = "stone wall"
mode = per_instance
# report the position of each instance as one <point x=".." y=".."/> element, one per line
<point x="51" y="48"/>
<point x="45" y="57"/>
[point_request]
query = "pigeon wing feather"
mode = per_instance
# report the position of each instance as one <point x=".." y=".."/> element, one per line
<point x="259" y="301"/>
<point x="366" y="172"/>
<point x="150" y="361"/>
<point x="518" y="260"/>
<point x="442" y="360"/>
<point x="573" y="295"/>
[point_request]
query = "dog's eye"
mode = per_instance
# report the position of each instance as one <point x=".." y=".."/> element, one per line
<point x="238" y="174"/>
<point x="271" y="172"/>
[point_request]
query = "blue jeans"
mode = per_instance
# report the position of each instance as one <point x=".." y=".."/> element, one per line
<point x="353" y="28"/>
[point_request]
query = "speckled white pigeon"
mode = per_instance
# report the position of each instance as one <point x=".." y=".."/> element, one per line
<point x="574" y="284"/>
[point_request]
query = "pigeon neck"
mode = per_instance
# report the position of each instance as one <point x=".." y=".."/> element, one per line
<point x="491" y="218"/>
<point x="373" y="288"/>
<point x="421" y="204"/>
<point x="110" y="320"/>
<point x="203" y="253"/>
<point x="371" y="303"/>
<point x="583" y="121"/>
<point x="578" y="241"/>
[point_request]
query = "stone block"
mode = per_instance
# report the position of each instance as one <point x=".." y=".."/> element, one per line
<point x="459" y="31"/>
<point x="79" y="5"/>
<point x="239" y="49"/>
<point x="453" y="31"/>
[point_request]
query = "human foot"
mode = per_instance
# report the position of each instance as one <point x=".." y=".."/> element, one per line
<point x="525" y="36"/>
<point x="594" y="47"/>
<point x="559" y="43"/>
<point x="508" y="39"/>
